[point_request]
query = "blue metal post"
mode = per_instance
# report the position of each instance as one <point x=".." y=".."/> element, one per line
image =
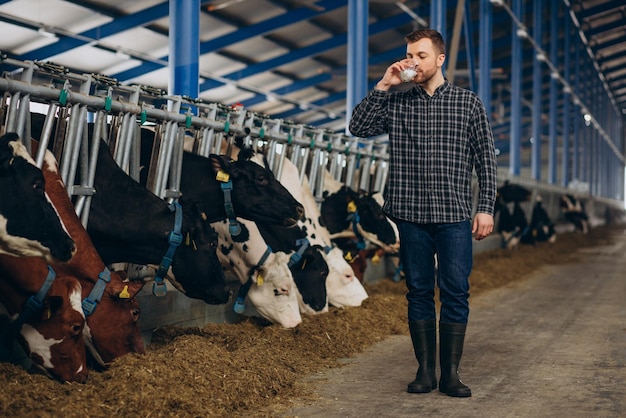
<point x="469" y="46"/>
<point x="576" y="112"/>
<point x="438" y="17"/>
<point x="516" y="95"/>
<point x="484" y="52"/>
<point x="554" y="56"/>
<point x="535" y="162"/>
<point x="357" y="55"/>
<point x="565" y="174"/>
<point x="184" y="40"/>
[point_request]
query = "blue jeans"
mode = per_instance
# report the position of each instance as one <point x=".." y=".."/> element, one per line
<point x="452" y="243"/>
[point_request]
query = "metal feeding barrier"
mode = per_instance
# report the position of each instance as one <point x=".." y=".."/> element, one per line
<point x="82" y="109"/>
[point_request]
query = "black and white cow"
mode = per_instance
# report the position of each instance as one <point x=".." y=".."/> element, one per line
<point x="357" y="215"/>
<point x="574" y="211"/>
<point x="128" y="223"/>
<point x="29" y="224"/>
<point x="541" y="226"/>
<point x="266" y="281"/>
<point x="511" y="225"/>
<point x="255" y="193"/>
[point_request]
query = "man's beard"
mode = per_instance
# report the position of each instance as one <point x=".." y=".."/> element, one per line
<point x="424" y="77"/>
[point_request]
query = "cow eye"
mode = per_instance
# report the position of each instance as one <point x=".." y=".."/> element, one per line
<point x="39" y="186"/>
<point x="262" y="179"/>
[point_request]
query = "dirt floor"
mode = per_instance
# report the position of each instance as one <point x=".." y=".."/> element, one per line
<point x="250" y="368"/>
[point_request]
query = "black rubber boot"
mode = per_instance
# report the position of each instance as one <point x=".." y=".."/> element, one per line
<point x="424" y="337"/>
<point x="451" y="337"/>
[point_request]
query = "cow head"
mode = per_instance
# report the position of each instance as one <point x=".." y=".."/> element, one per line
<point x="196" y="267"/>
<point x="343" y="288"/>
<point x="309" y="274"/>
<point x="256" y="194"/>
<point x="273" y="293"/>
<point x="29" y="224"/>
<point x="54" y="338"/>
<point x="113" y="330"/>
<point x="375" y="226"/>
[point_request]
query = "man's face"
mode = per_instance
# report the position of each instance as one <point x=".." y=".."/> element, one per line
<point x="427" y="60"/>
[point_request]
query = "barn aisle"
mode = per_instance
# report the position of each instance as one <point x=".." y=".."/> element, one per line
<point x="553" y="345"/>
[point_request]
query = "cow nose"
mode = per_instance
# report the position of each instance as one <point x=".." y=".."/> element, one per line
<point x="300" y="210"/>
<point x="65" y="252"/>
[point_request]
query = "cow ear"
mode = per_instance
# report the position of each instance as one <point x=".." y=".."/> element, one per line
<point x="219" y="163"/>
<point x="50" y="306"/>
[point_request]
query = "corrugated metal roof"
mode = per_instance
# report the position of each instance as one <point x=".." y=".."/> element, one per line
<point x="287" y="58"/>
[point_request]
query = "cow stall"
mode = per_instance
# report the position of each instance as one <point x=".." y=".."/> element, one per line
<point x="79" y="113"/>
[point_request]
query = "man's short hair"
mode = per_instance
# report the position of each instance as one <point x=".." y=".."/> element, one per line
<point x="431" y="34"/>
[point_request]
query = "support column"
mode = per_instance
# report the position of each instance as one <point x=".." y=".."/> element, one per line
<point x="552" y="127"/>
<point x="357" y="55"/>
<point x="516" y="96"/>
<point x="484" y="55"/>
<point x="184" y="40"/>
<point x="535" y="161"/>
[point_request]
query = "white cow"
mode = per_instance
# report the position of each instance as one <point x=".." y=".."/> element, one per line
<point x="342" y="286"/>
<point x="273" y="292"/>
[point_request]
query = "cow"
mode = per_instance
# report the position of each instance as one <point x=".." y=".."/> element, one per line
<point x="508" y="227"/>
<point x="264" y="275"/>
<point x="541" y="226"/>
<point x="29" y="224"/>
<point x="573" y="210"/>
<point x="306" y="262"/>
<point x="254" y="193"/>
<point x="107" y="299"/>
<point x="44" y="322"/>
<point x="347" y="213"/>
<point x="112" y="324"/>
<point x="128" y="223"/>
<point x="342" y="287"/>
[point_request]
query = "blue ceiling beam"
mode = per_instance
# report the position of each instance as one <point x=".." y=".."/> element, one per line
<point x="311" y="50"/>
<point x="116" y="26"/>
<point x="290" y="88"/>
<point x="241" y="34"/>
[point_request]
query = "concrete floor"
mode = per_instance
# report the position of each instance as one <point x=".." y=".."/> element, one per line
<point x="552" y="346"/>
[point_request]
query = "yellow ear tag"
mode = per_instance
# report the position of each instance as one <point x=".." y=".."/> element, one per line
<point x="222" y="176"/>
<point x="260" y="280"/>
<point x="48" y="312"/>
<point x="375" y="259"/>
<point x="351" y="207"/>
<point x="124" y="293"/>
<point x="348" y="257"/>
<point x="187" y="240"/>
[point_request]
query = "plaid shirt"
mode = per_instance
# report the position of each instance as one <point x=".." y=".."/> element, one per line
<point x="434" y="145"/>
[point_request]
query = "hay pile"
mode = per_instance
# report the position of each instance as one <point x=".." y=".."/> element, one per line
<point x="249" y="368"/>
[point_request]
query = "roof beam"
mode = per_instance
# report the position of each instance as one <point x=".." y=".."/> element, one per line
<point x="602" y="7"/>
<point x="311" y="50"/>
<point x="118" y="25"/>
<point x="241" y="34"/>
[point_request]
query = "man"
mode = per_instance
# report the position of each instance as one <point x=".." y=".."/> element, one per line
<point x="438" y="134"/>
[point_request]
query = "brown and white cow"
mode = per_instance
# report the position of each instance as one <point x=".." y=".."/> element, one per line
<point x="29" y="224"/>
<point x="52" y="331"/>
<point x="112" y="328"/>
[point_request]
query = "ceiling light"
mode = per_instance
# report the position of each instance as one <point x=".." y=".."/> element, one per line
<point x="522" y="34"/>
<point x="497" y="2"/>
<point x="47" y="34"/>
<point x="541" y="56"/>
